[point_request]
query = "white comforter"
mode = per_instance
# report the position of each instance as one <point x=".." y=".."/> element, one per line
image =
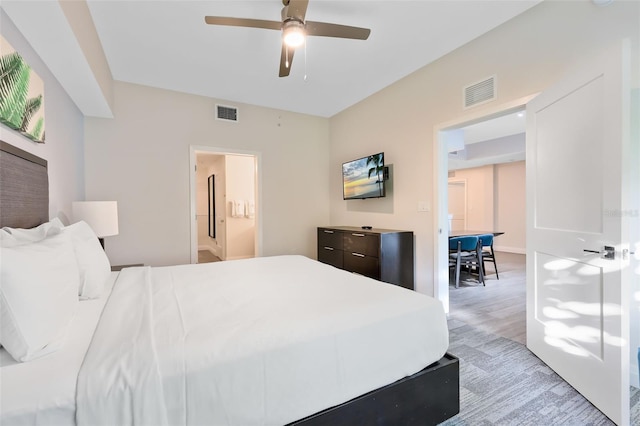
<point x="258" y="342"/>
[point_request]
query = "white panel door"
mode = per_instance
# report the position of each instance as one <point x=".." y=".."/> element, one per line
<point x="458" y="204"/>
<point x="577" y="132"/>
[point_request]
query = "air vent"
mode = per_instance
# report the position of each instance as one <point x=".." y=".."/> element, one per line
<point x="226" y="113"/>
<point x="480" y="92"/>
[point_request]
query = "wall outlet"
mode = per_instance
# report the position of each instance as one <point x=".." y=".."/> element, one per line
<point x="423" y="206"/>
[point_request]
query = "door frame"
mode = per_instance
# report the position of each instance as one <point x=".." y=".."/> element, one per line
<point x="440" y="182"/>
<point x="194" y="150"/>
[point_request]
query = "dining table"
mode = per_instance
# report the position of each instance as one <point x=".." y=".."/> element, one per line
<point x="471" y="232"/>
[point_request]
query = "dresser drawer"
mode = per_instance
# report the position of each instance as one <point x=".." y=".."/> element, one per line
<point x="361" y="264"/>
<point x="331" y="256"/>
<point x="359" y="242"/>
<point x="329" y="238"/>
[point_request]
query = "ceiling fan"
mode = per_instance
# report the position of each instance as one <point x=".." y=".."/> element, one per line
<point x="294" y="29"/>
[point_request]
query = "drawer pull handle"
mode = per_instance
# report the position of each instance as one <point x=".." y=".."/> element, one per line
<point x="329" y="248"/>
<point x="358" y="254"/>
<point x="328" y="232"/>
<point x="358" y="235"/>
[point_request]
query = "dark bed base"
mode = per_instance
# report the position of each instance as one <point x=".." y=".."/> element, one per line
<point x="428" y="397"/>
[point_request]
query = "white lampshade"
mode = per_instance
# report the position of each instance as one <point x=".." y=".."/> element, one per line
<point x="101" y="216"/>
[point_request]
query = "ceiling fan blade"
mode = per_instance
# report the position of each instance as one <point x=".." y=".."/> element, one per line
<point x="334" y="30"/>
<point x="297" y="9"/>
<point x="243" y="22"/>
<point x="286" y="55"/>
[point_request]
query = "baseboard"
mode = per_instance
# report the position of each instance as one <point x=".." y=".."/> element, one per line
<point x="515" y="250"/>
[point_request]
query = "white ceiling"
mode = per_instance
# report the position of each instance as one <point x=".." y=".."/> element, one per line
<point x="506" y="125"/>
<point x="494" y="141"/>
<point x="166" y="44"/>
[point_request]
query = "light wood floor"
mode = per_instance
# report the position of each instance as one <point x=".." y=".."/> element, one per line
<point x="498" y="308"/>
<point x="205" y="256"/>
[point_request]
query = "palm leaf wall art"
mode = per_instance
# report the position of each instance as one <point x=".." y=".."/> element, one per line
<point x="21" y="95"/>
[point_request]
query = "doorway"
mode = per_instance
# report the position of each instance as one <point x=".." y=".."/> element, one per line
<point x="442" y="287"/>
<point x="225" y="209"/>
<point x="486" y="194"/>
<point x="444" y="134"/>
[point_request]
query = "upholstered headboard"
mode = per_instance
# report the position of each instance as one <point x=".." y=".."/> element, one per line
<point x="24" y="188"/>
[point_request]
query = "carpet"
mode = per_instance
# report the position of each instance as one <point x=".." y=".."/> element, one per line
<point x="503" y="383"/>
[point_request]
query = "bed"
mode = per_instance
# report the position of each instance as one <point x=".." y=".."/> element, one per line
<point x="273" y="340"/>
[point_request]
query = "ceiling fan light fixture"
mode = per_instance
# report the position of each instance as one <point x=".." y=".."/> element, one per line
<point x="293" y="33"/>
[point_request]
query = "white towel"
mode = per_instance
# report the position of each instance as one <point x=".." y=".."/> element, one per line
<point x="251" y="209"/>
<point x="238" y="208"/>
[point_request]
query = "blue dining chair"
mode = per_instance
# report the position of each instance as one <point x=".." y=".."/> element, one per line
<point x="466" y="251"/>
<point x="487" y="251"/>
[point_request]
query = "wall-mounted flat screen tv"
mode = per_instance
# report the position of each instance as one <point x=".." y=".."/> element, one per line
<point x="363" y="178"/>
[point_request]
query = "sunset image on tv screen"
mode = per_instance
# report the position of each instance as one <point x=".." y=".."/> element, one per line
<point x="363" y="178"/>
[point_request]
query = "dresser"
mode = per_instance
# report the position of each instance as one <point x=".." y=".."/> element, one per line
<point x="382" y="254"/>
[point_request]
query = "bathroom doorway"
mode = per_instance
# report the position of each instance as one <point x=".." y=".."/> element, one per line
<point x="224" y="202"/>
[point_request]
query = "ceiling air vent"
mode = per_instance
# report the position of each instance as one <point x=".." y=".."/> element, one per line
<point x="480" y="92"/>
<point x="226" y="113"/>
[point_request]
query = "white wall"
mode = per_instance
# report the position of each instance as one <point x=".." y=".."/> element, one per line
<point x="510" y="207"/>
<point x="240" y="185"/>
<point x="63" y="147"/>
<point x="141" y="158"/>
<point x="526" y="55"/>
<point x="496" y="202"/>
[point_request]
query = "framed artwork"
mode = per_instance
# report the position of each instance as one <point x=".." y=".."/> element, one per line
<point x="212" y="206"/>
<point x="21" y="94"/>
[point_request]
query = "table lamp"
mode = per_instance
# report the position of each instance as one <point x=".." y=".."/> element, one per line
<point x="101" y="216"/>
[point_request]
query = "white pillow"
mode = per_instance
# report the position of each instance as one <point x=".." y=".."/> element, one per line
<point x="38" y="296"/>
<point x="6" y="239"/>
<point x="10" y="237"/>
<point x="93" y="263"/>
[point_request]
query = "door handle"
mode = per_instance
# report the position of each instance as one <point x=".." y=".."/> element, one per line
<point x="608" y="252"/>
<point x="358" y="254"/>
